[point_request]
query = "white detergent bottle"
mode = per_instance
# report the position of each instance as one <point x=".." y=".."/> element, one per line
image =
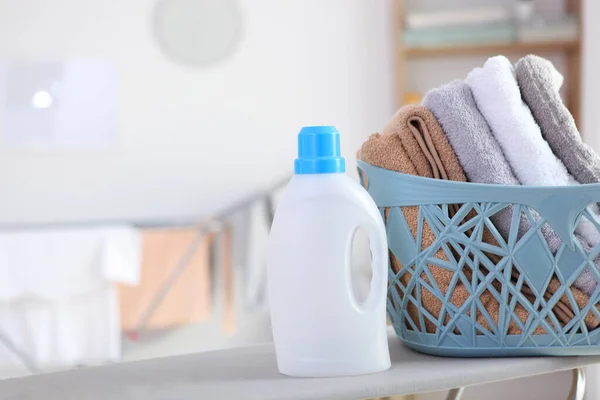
<point x="319" y="327"/>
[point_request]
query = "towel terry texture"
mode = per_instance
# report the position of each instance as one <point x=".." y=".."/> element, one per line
<point x="478" y="151"/>
<point x="483" y="161"/>
<point x="398" y="149"/>
<point x="469" y="135"/>
<point x="498" y="98"/>
<point x="540" y="82"/>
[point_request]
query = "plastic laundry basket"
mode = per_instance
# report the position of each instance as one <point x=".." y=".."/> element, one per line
<point x="457" y="332"/>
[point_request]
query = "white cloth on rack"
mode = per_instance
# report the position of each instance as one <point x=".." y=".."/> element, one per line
<point x="53" y="264"/>
<point x="256" y="257"/>
<point x="58" y="300"/>
<point x="82" y="330"/>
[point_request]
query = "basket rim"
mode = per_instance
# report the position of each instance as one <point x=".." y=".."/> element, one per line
<point x="572" y="189"/>
<point x="560" y="206"/>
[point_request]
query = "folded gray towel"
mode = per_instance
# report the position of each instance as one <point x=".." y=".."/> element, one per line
<point x="540" y="82"/>
<point x="476" y="148"/>
<point x="468" y="132"/>
<point x="483" y="161"/>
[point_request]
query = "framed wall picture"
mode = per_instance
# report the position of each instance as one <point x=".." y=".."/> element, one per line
<point x="58" y="105"/>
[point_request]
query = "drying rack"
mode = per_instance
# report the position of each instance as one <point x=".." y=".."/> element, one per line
<point x="215" y="225"/>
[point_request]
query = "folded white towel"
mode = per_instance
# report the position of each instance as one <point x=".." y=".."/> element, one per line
<point x="256" y="257"/>
<point x="498" y="97"/>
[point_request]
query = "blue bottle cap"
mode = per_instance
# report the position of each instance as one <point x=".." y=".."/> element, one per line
<point x="319" y="151"/>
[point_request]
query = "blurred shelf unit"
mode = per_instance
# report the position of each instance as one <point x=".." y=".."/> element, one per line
<point x="570" y="48"/>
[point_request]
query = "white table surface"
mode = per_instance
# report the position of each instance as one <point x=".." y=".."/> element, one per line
<point x="251" y="373"/>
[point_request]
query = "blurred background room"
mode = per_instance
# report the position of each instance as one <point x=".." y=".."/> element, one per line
<point x="144" y="145"/>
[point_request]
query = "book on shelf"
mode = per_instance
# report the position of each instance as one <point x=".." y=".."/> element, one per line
<point x="460" y="35"/>
<point x="457" y="17"/>
<point x="556" y="29"/>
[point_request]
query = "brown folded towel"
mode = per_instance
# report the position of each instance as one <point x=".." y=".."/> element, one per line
<point x="425" y="143"/>
<point x="414" y="143"/>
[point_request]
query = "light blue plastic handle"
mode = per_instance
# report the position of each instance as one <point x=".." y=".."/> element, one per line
<point x="559" y="205"/>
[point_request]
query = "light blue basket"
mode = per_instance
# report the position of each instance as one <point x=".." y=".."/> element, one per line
<point x="529" y="257"/>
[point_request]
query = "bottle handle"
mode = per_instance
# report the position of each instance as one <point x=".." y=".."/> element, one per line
<point x="379" y="264"/>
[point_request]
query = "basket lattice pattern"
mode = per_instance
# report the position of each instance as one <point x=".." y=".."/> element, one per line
<point x="501" y="269"/>
<point x="463" y="284"/>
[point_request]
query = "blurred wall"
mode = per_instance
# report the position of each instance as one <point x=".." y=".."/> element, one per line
<point x="590" y="80"/>
<point x="591" y="122"/>
<point x="193" y="140"/>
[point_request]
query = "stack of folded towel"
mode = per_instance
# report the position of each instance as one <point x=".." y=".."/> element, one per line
<point x="501" y="125"/>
